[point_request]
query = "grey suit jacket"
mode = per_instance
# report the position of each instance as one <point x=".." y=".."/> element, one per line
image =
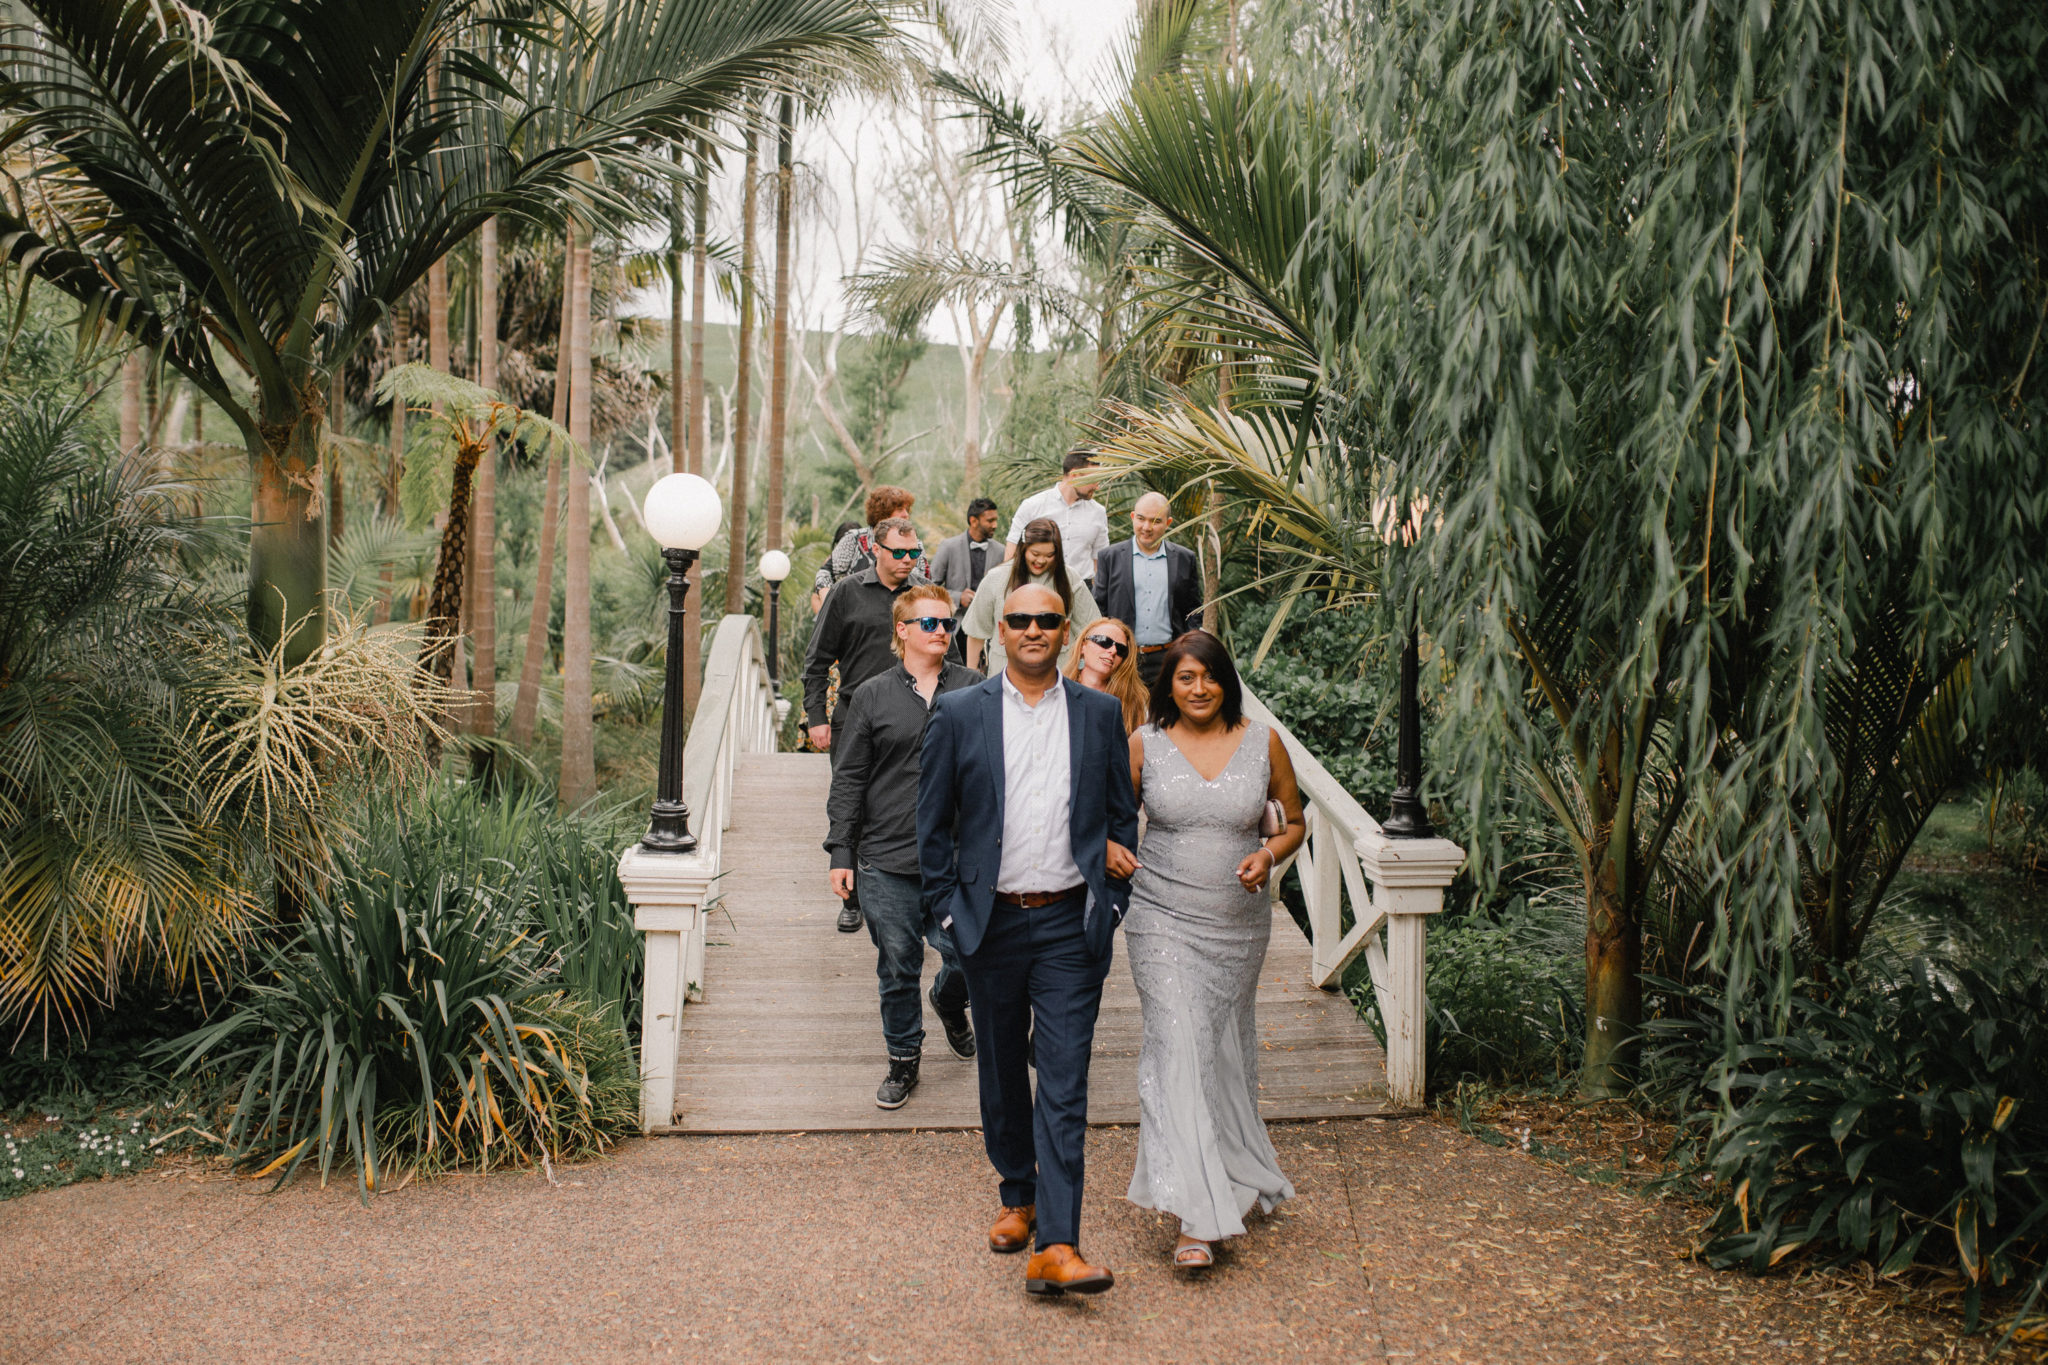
<point x="952" y="566"/>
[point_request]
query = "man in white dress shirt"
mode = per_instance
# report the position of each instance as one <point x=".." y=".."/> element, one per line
<point x="1024" y="796"/>
<point x="1070" y="504"/>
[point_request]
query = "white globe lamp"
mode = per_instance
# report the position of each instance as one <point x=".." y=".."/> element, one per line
<point x="683" y="513"/>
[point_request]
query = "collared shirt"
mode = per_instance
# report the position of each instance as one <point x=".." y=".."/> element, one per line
<point x="1153" y="604"/>
<point x="977" y="558"/>
<point x="1038" y="844"/>
<point x="1084" y="527"/>
<point x="873" y="806"/>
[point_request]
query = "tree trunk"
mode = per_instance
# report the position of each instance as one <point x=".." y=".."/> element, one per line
<point x="970" y="420"/>
<point x="736" y="556"/>
<point x="693" y="452"/>
<point x="337" y="422"/>
<point x="394" y="466"/>
<point x="526" y="707"/>
<point x="1212" y="562"/>
<point x="440" y="356"/>
<point x="287" y="539"/>
<point x="483" y="554"/>
<point x="131" y="402"/>
<point x="1614" y="985"/>
<point x="778" y="361"/>
<point x="578" y="781"/>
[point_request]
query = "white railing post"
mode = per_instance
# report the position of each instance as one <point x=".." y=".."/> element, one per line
<point x="668" y="891"/>
<point x="1408" y="878"/>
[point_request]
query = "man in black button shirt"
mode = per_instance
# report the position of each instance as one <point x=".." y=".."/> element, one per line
<point x="873" y="839"/>
<point x="854" y="631"/>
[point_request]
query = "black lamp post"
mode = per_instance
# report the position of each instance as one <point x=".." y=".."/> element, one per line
<point x="1407" y="817"/>
<point x="682" y="512"/>
<point x="774" y="568"/>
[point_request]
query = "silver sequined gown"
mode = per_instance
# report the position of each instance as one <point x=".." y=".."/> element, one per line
<point x="1196" y="940"/>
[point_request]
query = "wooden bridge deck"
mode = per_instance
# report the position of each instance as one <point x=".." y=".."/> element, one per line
<point x="787" y="1037"/>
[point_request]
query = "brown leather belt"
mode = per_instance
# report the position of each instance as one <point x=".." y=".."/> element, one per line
<point x="1152" y="649"/>
<point x="1031" y="900"/>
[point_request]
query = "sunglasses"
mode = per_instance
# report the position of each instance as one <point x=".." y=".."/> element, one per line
<point x="911" y="553"/>
<point x="945" y="625"/>
<point x="1024" y="620"/>
<point x="1123" y="651"/>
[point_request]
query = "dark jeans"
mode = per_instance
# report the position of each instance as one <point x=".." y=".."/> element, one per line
<point x="900" y="927"/>
<point x="1036" y="963"/>
<point x="1148" y="667"/>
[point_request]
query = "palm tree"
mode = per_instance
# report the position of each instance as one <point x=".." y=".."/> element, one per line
<point x="483" y="557"/>
<point x="259" y="184"/>
<point x="778" y="361"/>
<point x="579" y="754"/>
<point x="526" y="705"/>
<point x="736" y="557"/>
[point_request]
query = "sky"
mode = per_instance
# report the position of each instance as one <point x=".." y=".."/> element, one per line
<point x="1059" y="59"/>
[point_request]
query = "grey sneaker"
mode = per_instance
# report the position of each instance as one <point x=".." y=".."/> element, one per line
<point x="897" y="1085"/>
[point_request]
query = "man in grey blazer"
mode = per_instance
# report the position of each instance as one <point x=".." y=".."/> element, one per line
<point x="960" y="562"/>
<point x="1150" y="584"/>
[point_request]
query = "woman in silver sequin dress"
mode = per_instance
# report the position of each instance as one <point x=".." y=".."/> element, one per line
<point x="1196" y="938"/>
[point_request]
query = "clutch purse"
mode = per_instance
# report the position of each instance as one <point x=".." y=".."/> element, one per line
<point x="1272" y="820"/>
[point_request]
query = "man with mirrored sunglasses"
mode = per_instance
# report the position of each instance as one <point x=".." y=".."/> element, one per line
<point x="856" y="630"/>
<point x="873" y="838"/>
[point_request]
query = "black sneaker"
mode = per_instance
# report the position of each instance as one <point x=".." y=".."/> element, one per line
<point x="959" y="1033"/>
<point x="849" y="917"/>
<point x="896" y="1087"/>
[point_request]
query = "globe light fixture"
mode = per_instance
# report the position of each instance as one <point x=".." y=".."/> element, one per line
<point x="774" y="568"/>
<point x="683" y="513"/>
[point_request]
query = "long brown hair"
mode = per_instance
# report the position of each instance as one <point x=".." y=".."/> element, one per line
<point x="1042" y="531"/>
<point x="1123" y="682"/>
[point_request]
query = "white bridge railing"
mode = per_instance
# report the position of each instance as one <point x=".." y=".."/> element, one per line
<point x="1391" y="886"/>
<point x="736" y="715"/>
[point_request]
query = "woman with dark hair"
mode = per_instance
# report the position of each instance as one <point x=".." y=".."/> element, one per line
<point x="1038" y="561"/>
<point x="1196" y="938"/>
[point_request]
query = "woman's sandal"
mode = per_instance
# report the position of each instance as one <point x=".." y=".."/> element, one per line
<point x="1194" y="1256"/>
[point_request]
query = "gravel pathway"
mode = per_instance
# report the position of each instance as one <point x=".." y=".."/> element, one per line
<point x="1409" y="1241"/>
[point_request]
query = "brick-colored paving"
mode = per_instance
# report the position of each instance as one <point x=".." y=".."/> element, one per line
<point x="1409" y="1241"/>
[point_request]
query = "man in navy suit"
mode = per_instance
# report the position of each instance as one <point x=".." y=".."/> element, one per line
<point x="1024" y="803"/>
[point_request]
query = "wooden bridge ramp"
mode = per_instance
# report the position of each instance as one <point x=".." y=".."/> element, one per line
<point x="787" y="1035"/>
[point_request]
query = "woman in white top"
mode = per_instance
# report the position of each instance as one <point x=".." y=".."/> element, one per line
<point x="1038" y="561"/>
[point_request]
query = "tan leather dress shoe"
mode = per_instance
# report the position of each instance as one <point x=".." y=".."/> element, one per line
<point x="1012" y="1231"/>
<point x="1059" y="1269"/>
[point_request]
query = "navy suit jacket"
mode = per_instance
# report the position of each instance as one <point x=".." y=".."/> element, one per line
<point x="960" y="796"/>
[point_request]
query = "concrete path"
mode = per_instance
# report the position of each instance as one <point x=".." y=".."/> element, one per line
<point x="1409" y="1241"/>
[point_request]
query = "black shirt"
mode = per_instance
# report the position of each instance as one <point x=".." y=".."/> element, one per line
<point x="873" y="806"/>
<point x="853" y="630"/>
<point x="977" y="559"/>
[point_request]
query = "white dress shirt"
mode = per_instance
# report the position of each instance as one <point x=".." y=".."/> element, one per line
<point x="1084" y="527"/>
<point x="1038" y="844"/>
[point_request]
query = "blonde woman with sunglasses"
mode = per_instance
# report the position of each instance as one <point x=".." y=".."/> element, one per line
<point x="1105" y="661"/>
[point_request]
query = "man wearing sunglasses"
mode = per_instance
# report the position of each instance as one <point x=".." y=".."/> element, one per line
<point x="856" y="630"/>
<point x="1150" y="582"/>
<point x="1024" y="791"/>
<point x="873" y="839"/>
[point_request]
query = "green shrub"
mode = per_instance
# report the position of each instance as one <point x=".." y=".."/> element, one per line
<point x="1505" y="992"/>
<point x="1902" y="1117"/>
<point x="458" y="994"/>
<point x="2015" y="812"/>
